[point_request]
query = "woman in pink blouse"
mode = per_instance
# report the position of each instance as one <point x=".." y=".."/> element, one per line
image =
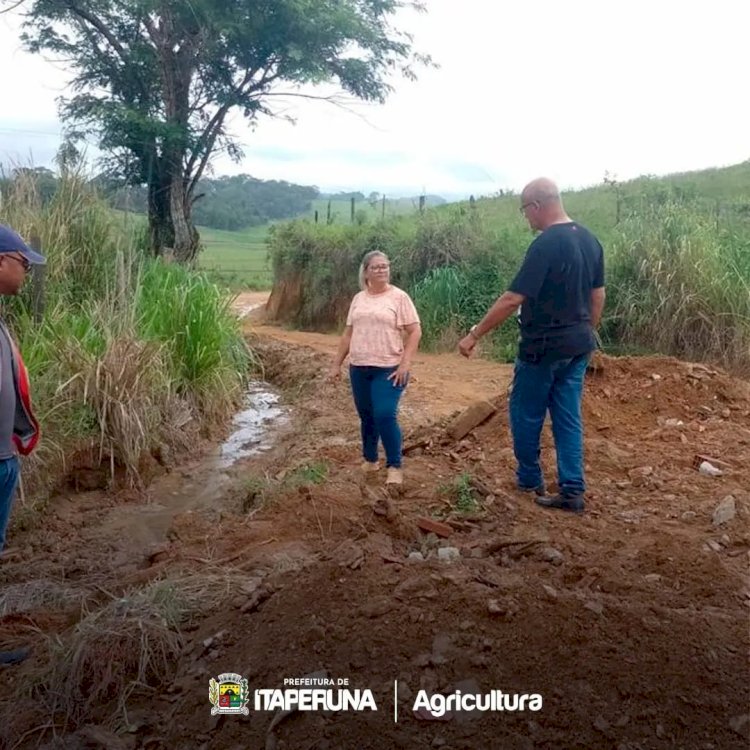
<point x="382" y="334"/>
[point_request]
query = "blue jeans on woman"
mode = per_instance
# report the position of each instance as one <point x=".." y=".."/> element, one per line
<point x="376" y="399"/>
<point x="557" y="387"/>
<point x="9" y="469"/>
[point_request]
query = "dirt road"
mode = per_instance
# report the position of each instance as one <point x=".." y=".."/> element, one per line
<point x="440" y="383"/>
<point x="631" y="621"/>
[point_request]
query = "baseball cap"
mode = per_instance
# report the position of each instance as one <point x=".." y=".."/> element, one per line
<point x="11" y="242"/>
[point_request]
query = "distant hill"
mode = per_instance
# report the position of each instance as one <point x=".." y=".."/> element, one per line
<point x="724" y="192"/>
<point x="724" y="184"/>
<point x="241" y="202"/>
<point x="229" y="203"/>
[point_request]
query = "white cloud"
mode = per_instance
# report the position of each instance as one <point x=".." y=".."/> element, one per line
<point x="564" y="89"/>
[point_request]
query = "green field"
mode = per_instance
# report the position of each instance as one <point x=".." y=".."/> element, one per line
<point x="236" y="259"/>
<point x="239" y="259"/>
<point x="722" y="192"/>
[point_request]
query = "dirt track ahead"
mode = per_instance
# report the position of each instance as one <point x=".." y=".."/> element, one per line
<point x="631" y="621"/>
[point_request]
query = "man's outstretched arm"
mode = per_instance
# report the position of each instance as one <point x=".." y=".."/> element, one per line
<point x="505" y="305"/>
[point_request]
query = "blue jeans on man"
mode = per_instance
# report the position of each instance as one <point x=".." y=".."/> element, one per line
<point x="9" y="471"/>
<point x="556" y="387"/>
<point x="376" y="399"/>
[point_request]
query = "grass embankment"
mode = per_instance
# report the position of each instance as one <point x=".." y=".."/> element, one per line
<point x="130" y="353"/>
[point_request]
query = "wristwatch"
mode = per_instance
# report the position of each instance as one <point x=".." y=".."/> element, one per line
<point x="471" y="332"/>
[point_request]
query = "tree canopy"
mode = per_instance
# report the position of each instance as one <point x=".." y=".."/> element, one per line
<point x="155" y="80"/>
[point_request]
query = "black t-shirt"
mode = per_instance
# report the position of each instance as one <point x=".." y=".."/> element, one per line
<point x="562" y="265"/>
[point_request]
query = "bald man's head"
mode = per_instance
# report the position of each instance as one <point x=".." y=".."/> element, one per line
<point x="541" y="190"/>
<point x="541" y="204"/>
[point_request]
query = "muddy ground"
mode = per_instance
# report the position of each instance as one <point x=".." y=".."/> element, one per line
<point x="631" y="621"/>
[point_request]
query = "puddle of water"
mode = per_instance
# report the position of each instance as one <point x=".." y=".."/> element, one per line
<point x="255" y="430"/>
<point x="252" y="424"/>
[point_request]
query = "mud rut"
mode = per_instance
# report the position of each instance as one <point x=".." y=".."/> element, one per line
<point x="631" y="621"/>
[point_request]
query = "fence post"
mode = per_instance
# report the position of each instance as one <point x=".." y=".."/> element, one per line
<point x="421" y="204"/>
<point x="38" y="277"/>
<point x="383" y="214"/>
<point x="316" y="215"/>
<point x="328" y="217"/>
<point x="352" y="211"/>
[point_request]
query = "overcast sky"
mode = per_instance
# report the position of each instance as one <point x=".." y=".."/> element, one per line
<point x="566" y="89"/>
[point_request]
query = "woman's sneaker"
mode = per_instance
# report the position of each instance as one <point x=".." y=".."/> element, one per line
<point x="395" y="476"/>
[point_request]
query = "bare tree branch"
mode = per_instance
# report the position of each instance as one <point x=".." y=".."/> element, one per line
<point x="336" y="99"/>
<point x="205" y="147"/>
<point x="99" y="25"/>
<point x="12" y="7"/>
<point x="150" y="29"/>
<point x="208" y="137"/>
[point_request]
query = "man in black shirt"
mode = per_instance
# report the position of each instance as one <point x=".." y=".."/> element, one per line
<point x="560" y="292"/>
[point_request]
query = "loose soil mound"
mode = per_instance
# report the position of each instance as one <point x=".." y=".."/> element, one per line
<point x="631" y="621"/>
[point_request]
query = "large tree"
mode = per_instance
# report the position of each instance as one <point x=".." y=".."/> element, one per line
<point x="154" y="80"/>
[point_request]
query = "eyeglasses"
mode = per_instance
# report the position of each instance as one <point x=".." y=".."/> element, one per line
<point x="25" y="263"/>
<point x="523" y="208"/>
<point x="381" y="267"/>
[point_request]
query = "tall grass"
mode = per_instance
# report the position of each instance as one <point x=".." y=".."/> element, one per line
<point x="450" y="299"/>
<point x="680" y="286"/>
<point x="200" y="335"/>
<point x="327" y="259"/>
<point x="130" y="354"/>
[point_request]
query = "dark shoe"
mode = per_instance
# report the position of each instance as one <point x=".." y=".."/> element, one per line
<point x="572" y="503"/>
<point x="539" y="491"/>
<point x="14" y="657"/>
